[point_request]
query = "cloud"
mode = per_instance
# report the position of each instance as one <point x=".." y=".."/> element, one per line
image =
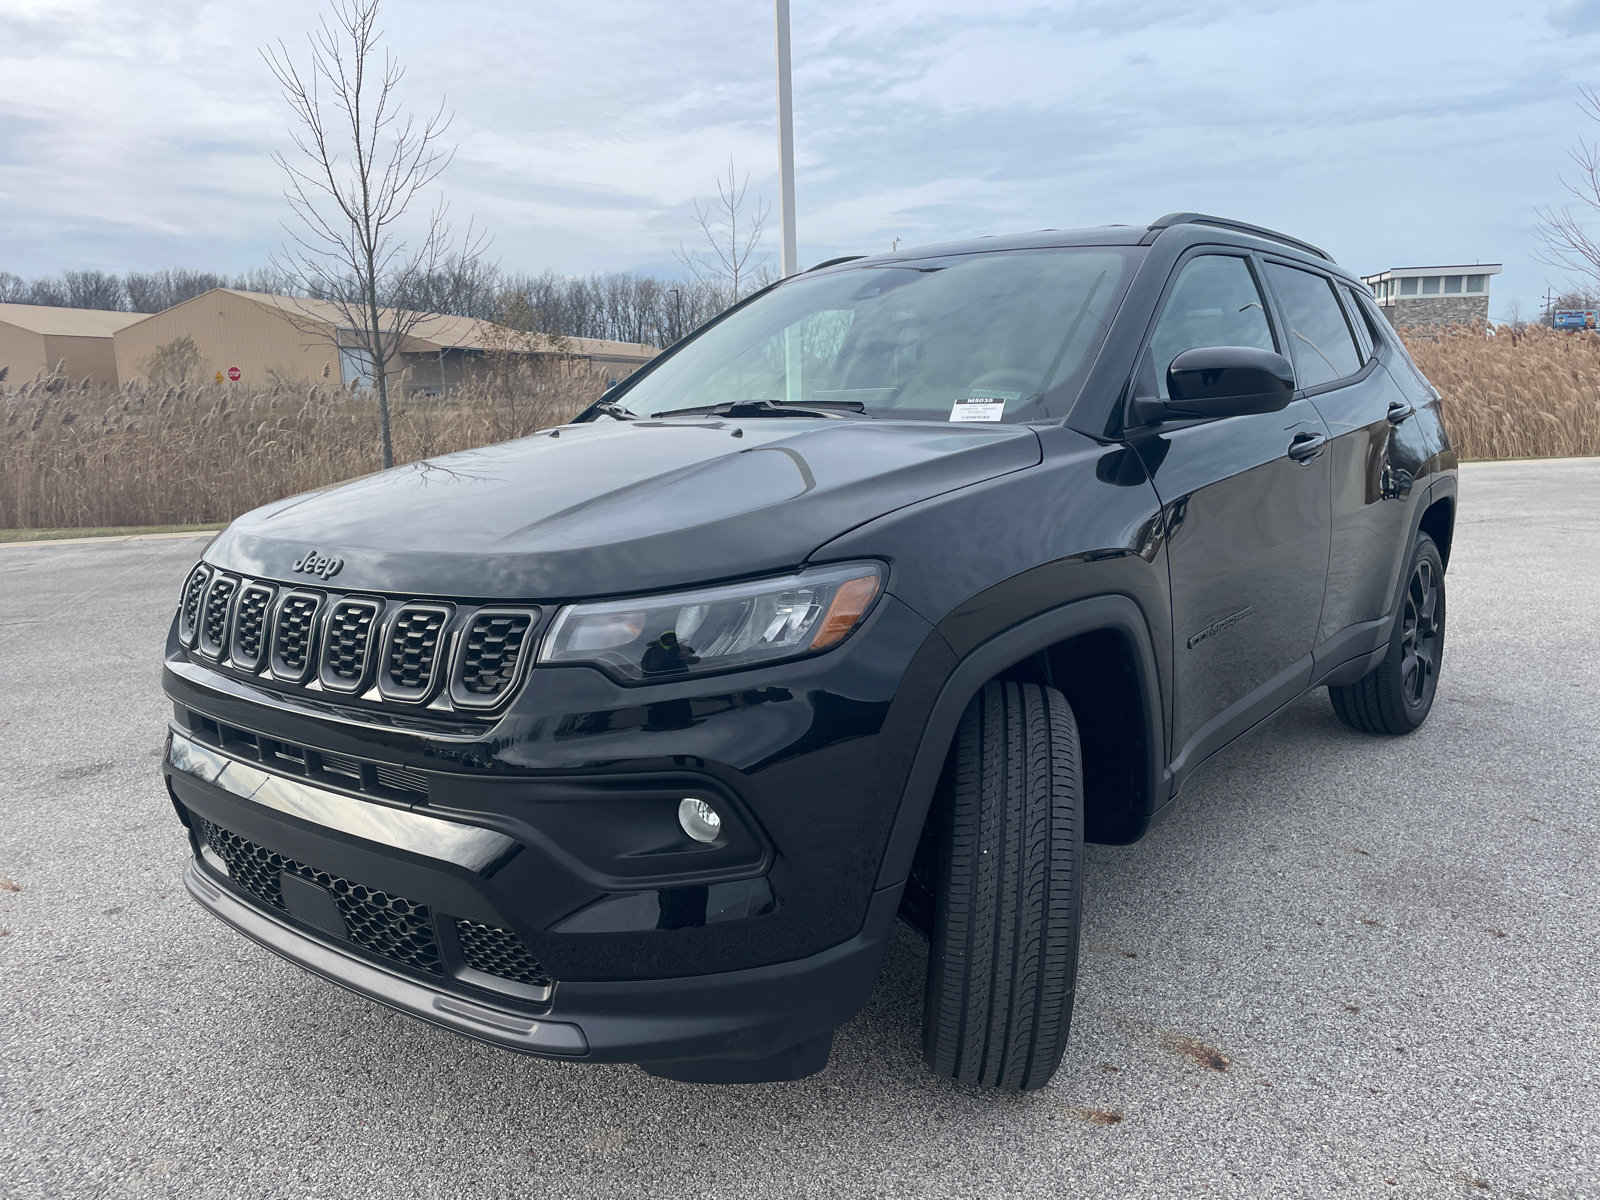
<point x="1576" y="16"/>
<point x="140" y="136"/>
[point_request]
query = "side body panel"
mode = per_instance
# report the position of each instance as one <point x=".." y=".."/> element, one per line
<point x="1375" y="465"/>
<point x="1247" y="538"/>
<point x="1021" y="550"/>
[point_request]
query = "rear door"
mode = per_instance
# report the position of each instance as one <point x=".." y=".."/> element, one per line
<point x="1375" y="453"/>
<point x="1246" y="509"/>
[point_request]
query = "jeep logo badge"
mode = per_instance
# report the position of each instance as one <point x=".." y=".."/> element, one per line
<point x="318" y="564"/>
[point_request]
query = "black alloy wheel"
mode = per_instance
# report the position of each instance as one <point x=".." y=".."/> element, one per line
<point x="1421" y="631"/>
<point x="1397" y="695"/>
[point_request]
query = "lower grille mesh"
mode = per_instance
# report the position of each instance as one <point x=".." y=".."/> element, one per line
<point x="499" y="952"/>
<point x="387" y="925"/>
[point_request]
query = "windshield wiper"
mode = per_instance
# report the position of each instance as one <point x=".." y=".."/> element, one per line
<point x="770" y="408"/>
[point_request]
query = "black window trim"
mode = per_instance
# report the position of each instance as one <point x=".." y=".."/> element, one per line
<point x="1343" y="381"/>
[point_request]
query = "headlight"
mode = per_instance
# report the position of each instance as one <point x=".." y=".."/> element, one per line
<point x="693" y="633"/>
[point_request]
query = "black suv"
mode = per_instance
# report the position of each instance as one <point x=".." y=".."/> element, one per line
<point x="879" y="596"/>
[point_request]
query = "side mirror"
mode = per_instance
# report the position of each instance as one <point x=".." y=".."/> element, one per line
<point x="1218" y="381"/>
<point x="1228" y="381"/>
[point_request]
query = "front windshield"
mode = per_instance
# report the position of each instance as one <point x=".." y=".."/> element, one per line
<point x="1005" y="336"/>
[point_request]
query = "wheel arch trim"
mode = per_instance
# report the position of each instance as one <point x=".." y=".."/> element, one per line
<point x="1118" y="613"/>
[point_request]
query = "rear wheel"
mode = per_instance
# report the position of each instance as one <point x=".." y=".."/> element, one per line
<point x="1004" y="956"/>
<point x="1397" y="695"/>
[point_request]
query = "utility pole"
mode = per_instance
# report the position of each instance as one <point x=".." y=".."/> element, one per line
<point x="780" y="12"/>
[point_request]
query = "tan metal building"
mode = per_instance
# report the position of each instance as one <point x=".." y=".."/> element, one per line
<point x="37" y="337"/>
<point x="289" y="339"/>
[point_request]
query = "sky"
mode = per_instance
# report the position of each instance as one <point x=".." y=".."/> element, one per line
<point x="140" y="136"/>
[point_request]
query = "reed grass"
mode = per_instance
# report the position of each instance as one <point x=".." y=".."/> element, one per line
<point x="88" y="455"/>
<point x="1529" y="393"/>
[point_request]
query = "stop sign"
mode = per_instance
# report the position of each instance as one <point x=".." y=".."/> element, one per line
<point x="235" y="374"/>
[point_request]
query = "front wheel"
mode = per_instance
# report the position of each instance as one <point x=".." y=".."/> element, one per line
<point x="1003" y="962"/>
<point x="1397" y="695"/>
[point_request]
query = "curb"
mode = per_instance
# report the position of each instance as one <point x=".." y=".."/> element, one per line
<point x="119" y="537"/>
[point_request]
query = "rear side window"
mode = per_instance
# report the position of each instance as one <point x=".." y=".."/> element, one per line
<point x="1365" y="334"/>
<point x="1324" y="348"/>
<point x="1214" y="303"/>
<point x="1383" y="333"/>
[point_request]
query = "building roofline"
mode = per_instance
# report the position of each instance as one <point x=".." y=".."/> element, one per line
<point x="1445" y="269"/>
<point x="47" y="320"/>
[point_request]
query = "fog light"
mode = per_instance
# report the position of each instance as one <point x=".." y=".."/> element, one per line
<point x="699" y="820"/>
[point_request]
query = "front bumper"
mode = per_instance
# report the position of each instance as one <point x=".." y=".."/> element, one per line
<point x="746" y="950"/>
<point x="585" y="775"/>
<point x="738" y="1016"/>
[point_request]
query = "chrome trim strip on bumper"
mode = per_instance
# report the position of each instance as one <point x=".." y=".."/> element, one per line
<point x="432" y="837"/>
<point x="510" y="1030"/>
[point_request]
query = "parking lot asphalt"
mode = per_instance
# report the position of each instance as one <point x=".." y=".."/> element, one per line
<point x="1348" y="965"/>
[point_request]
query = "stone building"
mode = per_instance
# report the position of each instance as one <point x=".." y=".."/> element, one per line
<point x="1434" y="295"/>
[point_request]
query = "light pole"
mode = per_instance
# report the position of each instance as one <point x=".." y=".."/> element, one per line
<point x="780" y="12"/>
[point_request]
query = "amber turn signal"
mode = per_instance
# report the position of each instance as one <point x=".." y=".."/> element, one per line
<point x="852" y="600"/>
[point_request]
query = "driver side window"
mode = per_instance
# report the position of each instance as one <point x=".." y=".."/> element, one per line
<point x="1215" y="303"/>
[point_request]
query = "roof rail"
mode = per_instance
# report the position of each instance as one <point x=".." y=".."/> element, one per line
<point x="833" y="262"/>
<point x="1272" y="235"/>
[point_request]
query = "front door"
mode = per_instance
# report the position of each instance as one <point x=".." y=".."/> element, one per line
<point x="1246" y="505"/>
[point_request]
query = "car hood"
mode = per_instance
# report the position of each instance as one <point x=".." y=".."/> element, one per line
<point x="614" y="507"/>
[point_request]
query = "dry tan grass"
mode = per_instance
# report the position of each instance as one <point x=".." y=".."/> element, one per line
<point x="88" y="455"/>
<point x="1528" y="394"/>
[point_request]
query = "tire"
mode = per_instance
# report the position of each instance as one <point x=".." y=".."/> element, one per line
<point x="1396" y="696"/>
<point x="1003" y="961"/>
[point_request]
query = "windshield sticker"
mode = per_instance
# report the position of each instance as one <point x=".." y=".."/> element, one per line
<point x="979" y="408"/>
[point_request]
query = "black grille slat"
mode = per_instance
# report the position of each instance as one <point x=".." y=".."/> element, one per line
<point x="490" y="653"/>
<point x="415" y="639"/>
<point x="338" y="764"/>
<point x="382" y="923"/>
<point x="214" y="615"/>
<point x="194" y="590"/>
<point x="401" y="779"/>
<point x="294" y="634"/>
<point x="347" y="644"/>
<point x="499" y="952"/>
<point x="250" y="625"/>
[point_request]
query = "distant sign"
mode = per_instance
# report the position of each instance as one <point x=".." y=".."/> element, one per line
<point x="235" y="374"/>
<point x="219" y="376"/>
<point x="1575" y="319"/>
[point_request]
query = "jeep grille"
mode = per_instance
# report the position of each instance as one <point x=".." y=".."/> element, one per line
<point x="440" y="655"/>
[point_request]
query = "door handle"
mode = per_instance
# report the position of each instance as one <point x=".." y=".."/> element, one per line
<point x="1399" y="410"/>
<point x="1306" y="446"/>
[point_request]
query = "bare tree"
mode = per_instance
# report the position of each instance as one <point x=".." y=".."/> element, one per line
<point x="363" y="163"/>
<point x="174" y="364"/>
<point x="733" y="236"/>
<point x="94" y="289"/>
<point x="156" y="291"/>
<point x="1566" y="242"/>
